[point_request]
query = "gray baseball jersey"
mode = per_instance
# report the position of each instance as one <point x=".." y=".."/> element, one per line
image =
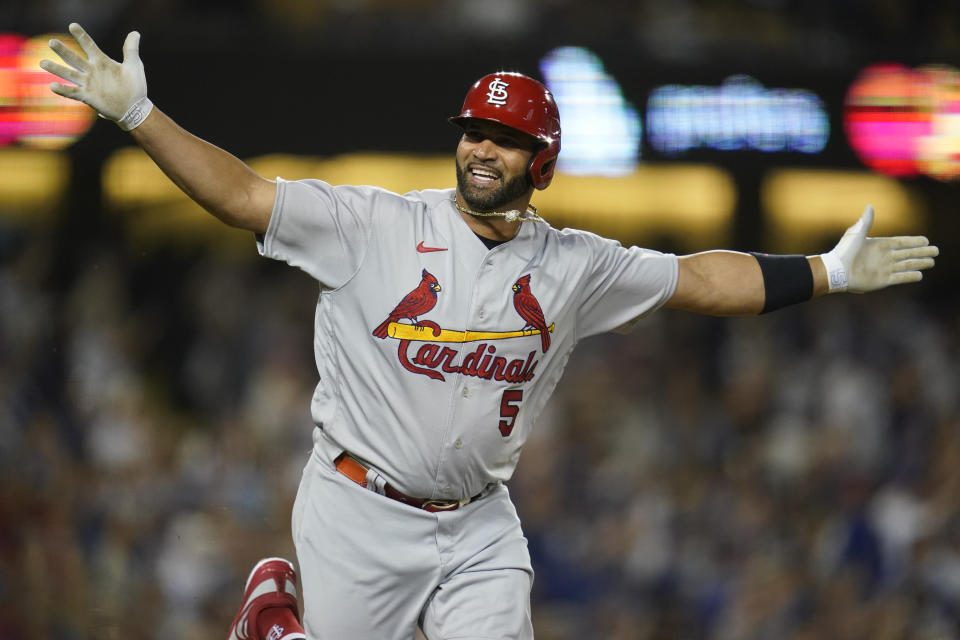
<point x="436" y="354"/>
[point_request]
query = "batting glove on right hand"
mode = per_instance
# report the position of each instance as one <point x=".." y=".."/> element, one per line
<point x="116" y="91"/>
<point x="859" y="264"/>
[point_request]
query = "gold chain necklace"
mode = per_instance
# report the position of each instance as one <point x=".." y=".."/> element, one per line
<point x="530" y="215"/>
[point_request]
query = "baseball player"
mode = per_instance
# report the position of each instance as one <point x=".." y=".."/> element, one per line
<point x="445" y="318"/>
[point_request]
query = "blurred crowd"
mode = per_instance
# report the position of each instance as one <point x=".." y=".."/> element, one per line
<point x="154" y="420"/>
<point x="794" y="476"/>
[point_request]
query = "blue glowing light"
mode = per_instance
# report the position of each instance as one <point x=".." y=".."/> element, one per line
<point x="601" y="130"/>
<point x="740" y="114"/>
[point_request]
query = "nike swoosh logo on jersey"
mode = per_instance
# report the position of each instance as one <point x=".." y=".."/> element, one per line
<point x="423" y="249"/>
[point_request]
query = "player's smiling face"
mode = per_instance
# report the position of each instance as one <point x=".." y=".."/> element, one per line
<point x="492" y="161"/>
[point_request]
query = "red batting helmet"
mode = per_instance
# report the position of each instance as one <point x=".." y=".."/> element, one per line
<point x="522" y="103"/>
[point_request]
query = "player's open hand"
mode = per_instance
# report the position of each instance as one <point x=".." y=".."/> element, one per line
<point x="859" y="264"/>
<point x="117" y="91"/>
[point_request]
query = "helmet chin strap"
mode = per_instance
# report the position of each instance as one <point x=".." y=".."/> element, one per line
<point x="530" y="215"/>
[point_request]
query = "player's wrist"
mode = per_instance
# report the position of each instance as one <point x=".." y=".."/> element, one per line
<point x="135" y="114"/>
<point x="837" y="272"/>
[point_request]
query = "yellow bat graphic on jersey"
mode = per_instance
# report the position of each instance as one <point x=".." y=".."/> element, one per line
<point x="426" y="333"/>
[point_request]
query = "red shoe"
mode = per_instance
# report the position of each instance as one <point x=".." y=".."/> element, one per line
<point x="272" y="583"/>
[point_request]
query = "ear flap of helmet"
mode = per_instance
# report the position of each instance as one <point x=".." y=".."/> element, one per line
<point x="542" y="166"/>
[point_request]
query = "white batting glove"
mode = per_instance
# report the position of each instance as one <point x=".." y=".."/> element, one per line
<point x="859" y="264"/>
<point x="116" y="91"/>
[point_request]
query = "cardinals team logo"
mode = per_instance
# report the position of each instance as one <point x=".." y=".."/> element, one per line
<point x="529" y="309"/>
<point x="414" y="304"/>
<point x="422" y="349"/>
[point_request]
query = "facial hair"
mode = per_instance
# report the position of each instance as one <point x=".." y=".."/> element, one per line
<point x="497" y="199"/>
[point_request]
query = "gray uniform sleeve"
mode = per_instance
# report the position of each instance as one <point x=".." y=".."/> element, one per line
<point x="623" y="285"/>
<point x="320" y="229"/>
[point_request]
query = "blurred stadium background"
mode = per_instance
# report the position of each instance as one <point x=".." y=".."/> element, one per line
<point x="795" y="476"/>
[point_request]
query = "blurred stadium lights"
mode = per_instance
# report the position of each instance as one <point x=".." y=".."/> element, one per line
<point x="694" y="204"/>
<point x="740" y="114"/>
<point x="33" y="184"/>
<point x="131" y="179"/>
<point x="601" y="130"/>
<point x="906" y="122"/>
<point x="132" y="184"/>
<point x="697" y="201"/>
<point x="600" y="186"/>
<point x="29" y="112"/>
<point x="804" y="204"/>
<point x="158" y="211"/>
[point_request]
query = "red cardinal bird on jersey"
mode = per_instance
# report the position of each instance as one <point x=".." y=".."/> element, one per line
<point x="414" y="304"/>
<point x="529" y="309"/>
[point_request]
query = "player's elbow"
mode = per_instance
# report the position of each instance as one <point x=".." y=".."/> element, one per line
<point x="248" y="208"/>
<point x="703" y="287"/>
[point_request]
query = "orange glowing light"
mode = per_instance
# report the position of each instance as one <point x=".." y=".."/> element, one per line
<point x="906" y="122"/>
<point x="31" y="114"/>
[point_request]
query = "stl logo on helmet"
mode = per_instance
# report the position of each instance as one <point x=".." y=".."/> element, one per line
<point x="498" y="92"/>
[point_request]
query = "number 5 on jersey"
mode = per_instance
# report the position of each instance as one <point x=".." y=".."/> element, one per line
<point x="509" y="408"/>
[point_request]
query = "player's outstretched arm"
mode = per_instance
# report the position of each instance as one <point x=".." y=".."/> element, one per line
<point x="733" y="283"/>
<point x="221" y="183"/>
